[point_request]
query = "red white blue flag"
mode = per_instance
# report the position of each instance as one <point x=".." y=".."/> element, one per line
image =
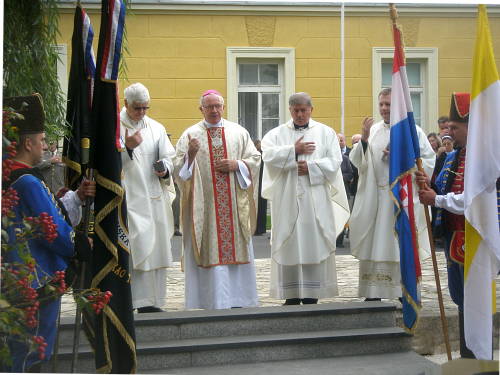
<point x="113" y="41"/>
<point x="404" y="150"/>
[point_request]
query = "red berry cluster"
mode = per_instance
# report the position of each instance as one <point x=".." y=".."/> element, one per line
<point x="9" y="200"/>
<point x="7" y="169"/>
<point x="11" y="149"/>
<point x="49" y="228"/>
<point x="59" y="281"/>
<point x="99" y="301"/>
<point x="40" y="342"/>
<point x="29" y="295"/>
<point x="30" y="314"/>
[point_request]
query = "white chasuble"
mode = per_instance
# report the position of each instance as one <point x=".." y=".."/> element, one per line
<point x="372" y="236"/>
<point x="307" y="212"/>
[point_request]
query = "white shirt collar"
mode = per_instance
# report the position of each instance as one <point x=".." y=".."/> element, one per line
<point x="209" y="125"/>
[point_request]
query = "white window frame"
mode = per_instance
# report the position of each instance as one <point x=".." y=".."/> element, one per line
<point x="262" y="89"/>
<point x="428" y="56"/>
<point x="260" y="54"/>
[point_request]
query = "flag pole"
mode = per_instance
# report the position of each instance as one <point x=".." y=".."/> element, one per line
<point x="83" y="264"/>
<point x="444" y="323"/>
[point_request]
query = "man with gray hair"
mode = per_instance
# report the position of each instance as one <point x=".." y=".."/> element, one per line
<point x="149" y="192"/>
<point x="217" y="166"/>
<point x="302" y="178"/>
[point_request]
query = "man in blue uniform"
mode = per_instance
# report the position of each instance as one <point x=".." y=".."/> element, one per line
<point x="36" y="198"/>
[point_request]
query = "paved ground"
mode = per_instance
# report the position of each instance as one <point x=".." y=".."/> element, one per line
<point x="347" y="268"/>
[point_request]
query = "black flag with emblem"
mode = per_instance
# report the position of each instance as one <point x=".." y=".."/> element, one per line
<point x="114" y="328"/>
<point x="78" y="110"/>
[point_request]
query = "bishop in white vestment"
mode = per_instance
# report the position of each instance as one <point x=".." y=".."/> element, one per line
<point x="217" y="166"/>
<point x="372" y="235"/>
<point x="149" y="195"/>
<point x="309" y="206"/>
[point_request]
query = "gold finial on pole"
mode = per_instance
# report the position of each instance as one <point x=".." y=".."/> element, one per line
<point x="394" y="12"/>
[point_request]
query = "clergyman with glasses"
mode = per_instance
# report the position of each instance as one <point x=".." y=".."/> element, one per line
<point x="149" y="191"/>
<point x="217" y="171"/>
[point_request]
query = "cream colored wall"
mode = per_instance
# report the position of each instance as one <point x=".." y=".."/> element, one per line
<point x="178" y="56"/>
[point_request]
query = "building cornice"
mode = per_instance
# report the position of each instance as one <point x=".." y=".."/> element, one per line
<point x="304" y="8"/>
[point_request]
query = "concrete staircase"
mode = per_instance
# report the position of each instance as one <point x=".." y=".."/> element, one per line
<point x="188" y="339"/>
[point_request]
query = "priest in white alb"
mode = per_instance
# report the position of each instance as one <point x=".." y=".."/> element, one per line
<point x="147" y="180"/>
<point x="371" y="227"/>
<point x="217" y="166"/>
<point x="309" y="207"/>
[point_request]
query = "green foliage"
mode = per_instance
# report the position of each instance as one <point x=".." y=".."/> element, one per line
<point x="30" y="57"/>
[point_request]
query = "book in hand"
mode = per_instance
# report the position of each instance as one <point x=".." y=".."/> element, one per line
<point x="159" y="166"/>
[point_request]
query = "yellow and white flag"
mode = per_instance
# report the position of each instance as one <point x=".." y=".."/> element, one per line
<point x="482" y="169"/>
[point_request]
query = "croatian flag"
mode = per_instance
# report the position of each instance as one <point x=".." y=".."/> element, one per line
<point x="404" y="150"/>
<point x="113" y="43"/>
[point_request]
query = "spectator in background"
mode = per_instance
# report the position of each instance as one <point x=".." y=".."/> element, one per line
<point x="262" y="208"/>
<point x="52" y="168"/>
<point x="355" y="139"/>
<point x="443" y="126"/>
<point x="435" y="141"/>
<point x="343" y="147"/>
<point x="443" y="152"/>
<point x="347" y="174"/>
<point x="353" y="187"/>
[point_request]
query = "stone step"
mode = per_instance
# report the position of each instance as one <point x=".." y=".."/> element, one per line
<point x="209" y="351"/>
<point x="252" y="321"/>
<point x="407" y="363"/>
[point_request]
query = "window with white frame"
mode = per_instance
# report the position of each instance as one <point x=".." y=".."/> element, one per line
<point x="422" y="72"/>
<point x="259" y="96"/>
<point x="260" y="80"/>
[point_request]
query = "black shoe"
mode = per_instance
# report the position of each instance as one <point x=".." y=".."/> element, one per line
<point x="400" y="299"/>
<point x="292" y="301"/>
<point x="309" y="301"/>
<point x="149" y="309"/>
<point x="373" y="299"/>
<point x="177" y="233"/>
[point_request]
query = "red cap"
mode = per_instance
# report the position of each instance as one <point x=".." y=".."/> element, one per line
<point x="460" y="103"/>
<point x="208" y="92"/>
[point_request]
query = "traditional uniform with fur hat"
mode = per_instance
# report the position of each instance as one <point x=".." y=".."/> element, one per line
<point x="34" y="199"/>
<point x="449" y="186"/>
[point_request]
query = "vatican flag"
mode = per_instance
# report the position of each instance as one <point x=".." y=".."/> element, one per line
<point x="482" y="169"/>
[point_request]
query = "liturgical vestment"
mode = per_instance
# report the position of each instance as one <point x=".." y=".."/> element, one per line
<point x="372" y="234"/>
<point x="218" y="212"/>
<point x="149" y="210"/>
<point x="307" y="212"/>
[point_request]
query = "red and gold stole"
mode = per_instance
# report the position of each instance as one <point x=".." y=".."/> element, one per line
<point x="222" y="197"/>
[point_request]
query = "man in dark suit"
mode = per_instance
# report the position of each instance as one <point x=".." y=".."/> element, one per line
<point x="348" y="176"/>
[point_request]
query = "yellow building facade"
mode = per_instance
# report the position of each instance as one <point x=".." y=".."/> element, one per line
<point x="178" y="51"/>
